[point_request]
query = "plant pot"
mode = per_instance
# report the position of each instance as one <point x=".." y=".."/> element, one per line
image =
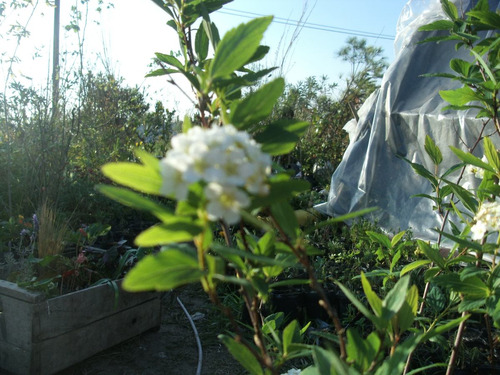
<point x="43" y="336"/>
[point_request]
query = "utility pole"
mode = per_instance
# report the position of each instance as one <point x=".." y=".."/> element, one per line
<point x="55" y="60"/>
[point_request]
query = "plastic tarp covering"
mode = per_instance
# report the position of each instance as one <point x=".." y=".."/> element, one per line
<point x="395" y="120"/>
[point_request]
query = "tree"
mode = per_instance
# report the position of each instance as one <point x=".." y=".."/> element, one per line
<point x="367" y="66"/>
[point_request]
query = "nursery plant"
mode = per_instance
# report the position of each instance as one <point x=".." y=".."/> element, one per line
<point x="221" y="172"/>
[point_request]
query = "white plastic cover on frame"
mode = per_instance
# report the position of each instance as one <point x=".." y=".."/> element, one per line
<point x="394" y="121"/>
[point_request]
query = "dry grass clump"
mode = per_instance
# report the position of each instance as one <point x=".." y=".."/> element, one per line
<point x="51" y="232"/>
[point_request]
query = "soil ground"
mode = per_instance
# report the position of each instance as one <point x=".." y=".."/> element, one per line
<point x="172" y="349"/>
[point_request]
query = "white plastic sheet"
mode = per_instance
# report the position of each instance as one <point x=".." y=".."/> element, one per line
<point x="394" y="121"/>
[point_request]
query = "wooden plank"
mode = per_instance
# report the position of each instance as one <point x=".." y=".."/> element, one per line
<point x="16" y="322"/>
<point x="13" y="290"/>
<point x="62" y="351"/>
<point x="71" y="311"/>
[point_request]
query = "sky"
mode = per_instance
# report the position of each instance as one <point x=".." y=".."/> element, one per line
<point x="127" y="36"/>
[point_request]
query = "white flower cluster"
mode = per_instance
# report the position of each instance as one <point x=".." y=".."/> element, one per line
<point x="487" y="219"/>
<point x="477" y="171"/>
<point x="228" y="161"/>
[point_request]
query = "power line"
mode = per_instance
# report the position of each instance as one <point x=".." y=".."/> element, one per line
<point x="308" y="25"/>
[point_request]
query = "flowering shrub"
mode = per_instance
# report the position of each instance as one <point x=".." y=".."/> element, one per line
<point x="219" y="175"/>
<point x="229" y="163"/>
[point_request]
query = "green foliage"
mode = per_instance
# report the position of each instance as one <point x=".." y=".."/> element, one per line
<point x="267" y="244"/>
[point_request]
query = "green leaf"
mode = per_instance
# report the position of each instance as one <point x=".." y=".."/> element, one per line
<point x="394" y="364"/>
<point x="291" y="335"/>
<point x="242" y="354"/>
<point x="258" y="259"/>
<point x="282" y="188"/>
<point x="449" y="9"/>
<point x="414" y="265"/>
<point x="486" y="17"/>
<point x="397" y="238"/>
<point x="431" y="253"/>
<point x="437" y="25"/>
<point x="147" y="159"/>
<point x="460" y="96"/>
<point x="472" y="287"/>
<point x="238" y="46"/>
<point x="201" y="42"/>
<point x="408" y="311"/>
<point x="379" y="238"/>
<point x="280" y="137"/>
<point x="164" y="271"/>
<point x="161" y="72"/>
<point x="433" y="151"/>
<point x="471" y="159"/>
<point x="181" y="230"/>
<point x="257" y="105"/>
<point x="485" y="66"/>
<point x="491" y="154"/>
<point x="170" y="60"/>
<point x="328" y="362"/>
<point x="361" y="352"/>
<point x="461" y="66"/>
<point x="136" y="201"/>
<point x="466" y="197"/>
<point x="362" y="308"/>
<point x="374" y="300"/>
<point x="395" y="299"/>
<point x="135" y="176"/>
<point x="284" y="214"/>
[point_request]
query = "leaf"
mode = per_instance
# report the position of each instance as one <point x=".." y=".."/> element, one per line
<point x="472" y="287"/>
<point x="449" y="9"/>
<point x="461" y="66"/>
<point x="257" y="105"/>
<point x="328" y="362"/>
<point x="258" y="259"/>
<point x="471" y="159"/>
<point x="395" y="299"/>
<point x="491" y="154"/>
<point x="485" y="66"/>
<point x="408" y="311"/>
<point x="437" y="25"/>
<point x="281" y="188"/>
<point x="460" y="96"/>
<point x="291" y="335"/>
<point x="374" y="300"/>
<point x="284" y="215"/>
<point x="237" y="47"/>
<point x="486" y="17"/>
<point x="361" y="352"/>
<point x="414" y="265"/>
<point x="135" y="176"/>
<point x="170" y="60"/>
<point x="242" y="354"/>
<point x="394" y="364"/>
<point x="147" y="159"/>
<point x="164" y="271"/>
<point x="362" y="308"/>
<point x="183" y="229"/>
<point x="433" y="151"/>
<point x="136" y="201"/>
<point x="431" y="253"/>
<point x="379" y="238"/>
<point x="201" y="42"/>
<point x="280" y="137"/>
<point x="397" y="238"/>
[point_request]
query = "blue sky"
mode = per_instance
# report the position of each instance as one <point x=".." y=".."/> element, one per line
<point x="129" y="34"/>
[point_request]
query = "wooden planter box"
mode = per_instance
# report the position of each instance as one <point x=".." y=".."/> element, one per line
<point x="42" y="336"/>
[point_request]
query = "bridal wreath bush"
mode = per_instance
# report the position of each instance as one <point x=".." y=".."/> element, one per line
<point x="220" y="171"/>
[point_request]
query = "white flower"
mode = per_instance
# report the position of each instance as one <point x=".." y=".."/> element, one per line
<point x="486" y="220"/>
<point x="477" y="171"/>
<point x="225" y="202"/>
<point x="227" y="160"/>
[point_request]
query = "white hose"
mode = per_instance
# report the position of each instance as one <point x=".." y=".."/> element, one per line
<point x="198" y="341"/>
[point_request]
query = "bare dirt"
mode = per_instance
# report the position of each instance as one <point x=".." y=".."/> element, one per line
<point x="173" y="348"/>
